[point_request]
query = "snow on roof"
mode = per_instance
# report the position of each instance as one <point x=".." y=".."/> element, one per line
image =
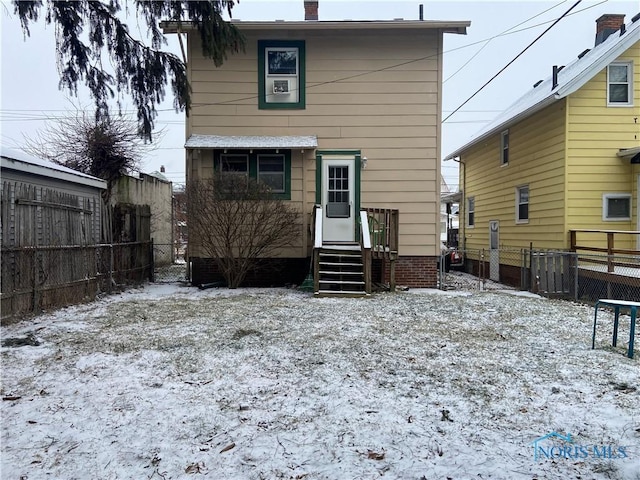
<point x="249" y="141"/>
<point x="21" y="161"/>
<point x="570" y="79"/>
<point x="159" y="175"/>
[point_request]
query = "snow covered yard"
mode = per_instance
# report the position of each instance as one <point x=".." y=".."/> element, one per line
<point x="171" y="382"/>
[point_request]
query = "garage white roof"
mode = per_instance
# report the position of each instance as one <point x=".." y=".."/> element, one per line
<point x="23" y="162"/>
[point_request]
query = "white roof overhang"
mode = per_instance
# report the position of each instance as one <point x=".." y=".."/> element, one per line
<point x="632" y="153"/>
<point x="447" y="26"/>
<point x="237" y="142"/>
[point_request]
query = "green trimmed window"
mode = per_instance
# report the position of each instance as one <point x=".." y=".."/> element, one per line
<point x="272" y="167"/>
<point x="281" y="74"/>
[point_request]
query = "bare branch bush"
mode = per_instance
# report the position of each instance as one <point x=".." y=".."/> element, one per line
<point x="237" y="221"/>
<point x="107" y="148"/>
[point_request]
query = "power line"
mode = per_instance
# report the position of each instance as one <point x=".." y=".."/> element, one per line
<point x="513" y="60"/>
<point x="349" y="77"/>
<point x="486" y="40"/>
<point x="503" y="33"/>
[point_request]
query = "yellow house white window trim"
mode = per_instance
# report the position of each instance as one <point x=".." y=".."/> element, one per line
<point x="504" y="147"/>
<point x="471" y="212"/>
<point x="522" y="201"/>
<point x="618" y="81"/>
<point x="608" y="198"/>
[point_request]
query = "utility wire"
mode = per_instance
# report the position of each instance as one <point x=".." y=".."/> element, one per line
<point x="500" y="34"/>
<point x="253" y="97"/>
<point x="408" y="62"/>
<point x="513" y="60"/>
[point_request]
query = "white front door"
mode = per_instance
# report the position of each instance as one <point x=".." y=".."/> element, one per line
<point x="494" y="252"/>
<point x="338" y="199"/>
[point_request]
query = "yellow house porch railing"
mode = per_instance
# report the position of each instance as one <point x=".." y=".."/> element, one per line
<point x="610" y="250"/>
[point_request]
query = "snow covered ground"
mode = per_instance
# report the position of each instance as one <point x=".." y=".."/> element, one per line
<point x="172" y="382"/>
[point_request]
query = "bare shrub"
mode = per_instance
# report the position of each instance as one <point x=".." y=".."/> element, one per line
<point x="237" y="221"/>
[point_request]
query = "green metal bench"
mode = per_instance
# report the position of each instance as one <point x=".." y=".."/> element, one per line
<point x="617" y="305"/>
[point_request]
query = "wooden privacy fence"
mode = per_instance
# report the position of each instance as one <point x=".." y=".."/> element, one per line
<point x="36" y="215"/>
<point x="39" y="278"/>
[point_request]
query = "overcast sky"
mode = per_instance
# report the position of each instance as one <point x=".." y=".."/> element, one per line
<point x="499" y="31"/>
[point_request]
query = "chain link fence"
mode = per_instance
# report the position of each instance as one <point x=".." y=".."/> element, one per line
<point x="170" y="272"/>
<point x="551" y="273"/>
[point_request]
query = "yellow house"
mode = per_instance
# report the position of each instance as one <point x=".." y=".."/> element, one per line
<point x="563" y="157"/>
<point x="347" y="112"/>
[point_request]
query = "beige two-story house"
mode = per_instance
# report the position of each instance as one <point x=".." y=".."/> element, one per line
<point x="342" y="115"/>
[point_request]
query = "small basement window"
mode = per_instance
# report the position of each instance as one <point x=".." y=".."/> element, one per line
<point x="616" y="206"/>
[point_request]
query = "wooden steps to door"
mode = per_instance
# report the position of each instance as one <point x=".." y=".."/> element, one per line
<point x="340" y="271"/>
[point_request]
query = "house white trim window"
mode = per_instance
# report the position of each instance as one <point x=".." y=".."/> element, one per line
<point x="620" y="84"/>
<point x="616" y="207"/>
<point x="522" y="204"/>
<point x="471" y="212"/>
<point x="504" y="148"/>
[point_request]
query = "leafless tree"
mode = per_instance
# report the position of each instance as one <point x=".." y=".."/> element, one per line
<point x="91" y="35"/>
<point x="237" y="221"/>
<point x="106" y="149"/>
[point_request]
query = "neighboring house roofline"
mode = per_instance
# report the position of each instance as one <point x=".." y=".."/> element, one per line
<point x="23" y="162"/>
<point x="569" y="79"/>
<point x="458" y="27"/>
<point x="157" y="175"/>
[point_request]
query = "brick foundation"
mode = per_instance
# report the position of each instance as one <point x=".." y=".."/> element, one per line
<point x="415" y="272"/>
<point x="273" y="272"/>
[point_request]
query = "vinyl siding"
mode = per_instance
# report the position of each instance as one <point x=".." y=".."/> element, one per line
<point x="377" y="93"/>
<point x="595" y="134"/>
<point x="536" y="158"/>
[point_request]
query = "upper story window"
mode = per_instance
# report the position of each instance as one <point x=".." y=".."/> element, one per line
<point x="522" y="204"/>
<point x="504" y="147"/>
<point x="620" y="84"/>
<point x="471" y="211"/>
<point x="616" y="206"/>
<point x="281" y="74"/>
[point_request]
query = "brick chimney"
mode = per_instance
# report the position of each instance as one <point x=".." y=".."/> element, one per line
<point x="606" y="25"/>
<point x="161" y="168"/>
<point x="311" y="10"/>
